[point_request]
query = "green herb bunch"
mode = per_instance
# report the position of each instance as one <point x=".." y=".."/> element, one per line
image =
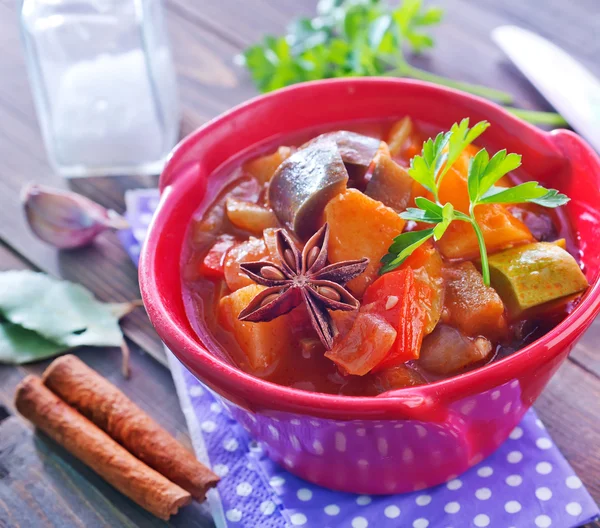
<point x="430" y="167"/>
<point x="360" y="38"/>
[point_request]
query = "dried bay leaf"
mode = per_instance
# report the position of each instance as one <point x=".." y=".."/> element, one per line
<point x="44" y="317"/>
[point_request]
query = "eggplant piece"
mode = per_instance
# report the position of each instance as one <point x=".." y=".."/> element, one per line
<point x="303" y="185"/>
<point x="534" y="274"/>
<point x="448" y="351"/>
<point x="357" y="151"/>
<point x="390" y="183"/>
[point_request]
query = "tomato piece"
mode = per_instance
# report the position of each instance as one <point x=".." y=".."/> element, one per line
<point x="397" y="297"/>
<point x="427" y="264"/>
<point x="364" y="346"/>
<point x="212" y="267"/>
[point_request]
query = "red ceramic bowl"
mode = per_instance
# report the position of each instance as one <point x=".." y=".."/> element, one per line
<point x="407" y="439"/>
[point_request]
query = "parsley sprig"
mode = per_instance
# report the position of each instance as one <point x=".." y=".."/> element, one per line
<point x="429" y="168"/>
<point x="360" y="38"/>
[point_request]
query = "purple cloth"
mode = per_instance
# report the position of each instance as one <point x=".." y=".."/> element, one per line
<point x="526" y="483"/>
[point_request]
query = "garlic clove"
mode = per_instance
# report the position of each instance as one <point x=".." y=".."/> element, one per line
<point x="66" y="219"/>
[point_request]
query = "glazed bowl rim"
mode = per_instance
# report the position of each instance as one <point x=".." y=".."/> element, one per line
<point x="233" y="380"/>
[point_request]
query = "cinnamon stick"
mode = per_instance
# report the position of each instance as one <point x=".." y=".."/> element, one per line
<point x="97" y="450"/>
<point x="107" y="407"/>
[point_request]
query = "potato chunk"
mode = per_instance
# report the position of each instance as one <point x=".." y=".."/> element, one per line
<point x="263" y="167"/>
<point x="262" y="343"/>
<point x="473" y="307"/>
<point x="249" y="216"/>
<point x="360" y="227"/>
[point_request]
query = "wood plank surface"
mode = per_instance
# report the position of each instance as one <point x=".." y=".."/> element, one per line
<point x="49" y="487"/>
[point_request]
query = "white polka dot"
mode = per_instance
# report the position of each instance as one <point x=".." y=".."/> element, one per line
<point x="391" y="512"/>
<point x="407" y="455"/>
<point x="573" y="482"/>
<point x="512" y="506"/>
<point x="363" y="500"/>
<point x="295" y="421"/>
<point x="421" y="431"/>
<point x="295" y="442"/>
<point x="340" y="441"/>
<point x="332" y="509"/>
<point x="276" y="481"/>
<point x="506" y="409"/>
<point x="514" y="480"/>
<point x="514" y="457"/>
<point x="421" y="523"/>
<point x="514" y="384"/>
<point x="274" y="431"/>
<point x="543" y="468"/>
<point x="543" y="443"/>
<point x="574" y="509"/>
<point x="221" y="469"/>
<point x="230" y="444"/>
<point x="379" y="426"/>
<point x="363" y="463"/>
<point x="398" y="426"/>
<point x="361" y="431"/>
<point x="318" y="447"/>
<point x="252" y="418"/>
<point x="196" y="391"/>
<point x="288" y="462"/>
<point x="314" y="423"/>
<point x="452" y="507"/>
<point x="234" y="515"/>
<point x="243" y="489"/>
<point x="382" y="446"/>
<point x="267" y="507"/>
<point x="543" y="521"/>
<point x="467" y="408"/>
<point x="304" y="494"/>
<point x="485" y="471"/>
<point x="543" y="494"/>
<point x="359" y="522"/>
<point x="516" y="433"/>
<point x="208" y="426"/>
<point x="481" y="520"/>
<point x="540" y="424"/>
<point x="215" y="407"/>
<point x="340" y="424"/>
<point x="139" y="233"/>
<point x="298" y="519"/>
<point x="454" y="484"/>
<point x="423" y="500"/>
<point x="483" y="493"/>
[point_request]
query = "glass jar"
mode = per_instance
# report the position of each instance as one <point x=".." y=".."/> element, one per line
<point x="104" y="84"/>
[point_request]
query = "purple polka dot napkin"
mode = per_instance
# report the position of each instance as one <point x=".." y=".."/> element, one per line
<point x="526" y="483"/>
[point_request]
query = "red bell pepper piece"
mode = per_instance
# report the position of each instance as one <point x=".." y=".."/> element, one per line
<point x="212" y="265"/>
<point x="395" y="297"/>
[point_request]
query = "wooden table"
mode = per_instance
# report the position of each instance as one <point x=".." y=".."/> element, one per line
<point x="42" y="485"/>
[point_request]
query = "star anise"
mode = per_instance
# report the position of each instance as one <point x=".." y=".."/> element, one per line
<point x="303" y="278"/>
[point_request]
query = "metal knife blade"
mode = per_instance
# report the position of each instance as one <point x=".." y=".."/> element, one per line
<point x="564" y="82"/>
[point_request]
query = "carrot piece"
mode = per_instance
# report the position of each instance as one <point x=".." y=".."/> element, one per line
<point x="500" y="230"/>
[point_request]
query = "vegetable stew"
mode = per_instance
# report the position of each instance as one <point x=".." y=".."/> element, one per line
<point x="373" y="258"/>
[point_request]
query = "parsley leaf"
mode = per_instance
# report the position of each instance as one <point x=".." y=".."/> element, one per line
<point x="484" y="172"/>
<point x="359" y="38"/>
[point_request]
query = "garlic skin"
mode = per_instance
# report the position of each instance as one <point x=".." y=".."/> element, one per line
<point x="66" y="219"/>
